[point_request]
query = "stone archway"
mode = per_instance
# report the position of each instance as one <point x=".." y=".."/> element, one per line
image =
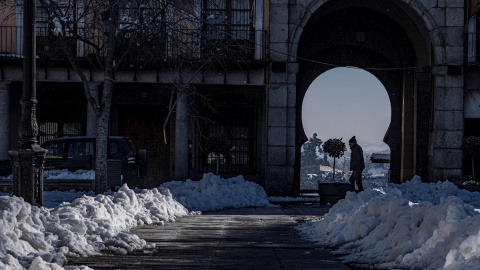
<point x="393" y="44"/>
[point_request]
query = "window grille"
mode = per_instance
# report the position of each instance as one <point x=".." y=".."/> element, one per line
<point x="238" y="124"/>
<point x="42" y="27"/>
<point x="50" y="130"/>
<point x="136" y="13"/>
<point x="48" y="25"/>
<point x="229" y="19"/>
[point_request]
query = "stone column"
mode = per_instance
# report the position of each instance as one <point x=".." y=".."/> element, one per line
<point x="448" y="126"/>
<point x="448" y="98"/>
<point x="281" y="103"/>
<point x="91" y="128"/>
<point x="181" y="136"/>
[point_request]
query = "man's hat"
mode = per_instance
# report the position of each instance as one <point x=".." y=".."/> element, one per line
<point x="352" y="140"/>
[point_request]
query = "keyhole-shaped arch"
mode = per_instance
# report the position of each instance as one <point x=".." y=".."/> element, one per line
<point x="345" y="102"/>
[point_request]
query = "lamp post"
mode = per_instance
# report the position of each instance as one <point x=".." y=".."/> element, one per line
<point x="27" y="163"/>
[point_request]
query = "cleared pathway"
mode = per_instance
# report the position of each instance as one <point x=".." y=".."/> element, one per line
<point x="247" y="238"/>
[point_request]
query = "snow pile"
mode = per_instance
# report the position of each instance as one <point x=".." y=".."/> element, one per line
<point x="43" y="237"/>
<point x="414" y="225"/>
<point x="54" y="198"/>
<point x="82" y="224"/>
<point x="215" y="193"/>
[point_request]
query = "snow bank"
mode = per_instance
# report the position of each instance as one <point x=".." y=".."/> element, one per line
<point x="54" y="198"/>
<point x="41" y="238"/>
<point x="82" y="224"/>
<point x="215" y="193"/>
<point x="414" y="225"/>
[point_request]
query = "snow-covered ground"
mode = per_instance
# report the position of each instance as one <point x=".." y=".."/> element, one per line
<point x="82" y="224"/>
<point x="63" y="174"/>
<point x="410" y="226"/>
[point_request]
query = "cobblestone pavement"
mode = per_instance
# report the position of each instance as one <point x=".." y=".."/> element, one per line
<point x="246" y="238"/>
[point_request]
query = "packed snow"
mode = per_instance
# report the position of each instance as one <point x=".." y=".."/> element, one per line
<point x="214" y="193"/>
<point x="410" y="226"/>
<point x="82" y="224"/>
<point x="414" y="225"/>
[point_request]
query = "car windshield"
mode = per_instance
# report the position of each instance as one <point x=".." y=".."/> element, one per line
<point x="79" y="149"/>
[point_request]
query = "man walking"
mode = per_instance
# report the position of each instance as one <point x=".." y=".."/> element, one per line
<point x="357" y="164"/>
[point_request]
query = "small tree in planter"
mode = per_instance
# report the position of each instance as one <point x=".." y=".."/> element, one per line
<point x="471" y="145"/>
<point x="219" y="144"/>
<point x="334" y="148"/>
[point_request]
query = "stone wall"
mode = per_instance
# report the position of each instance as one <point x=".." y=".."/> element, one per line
<point x="443" y="24"/>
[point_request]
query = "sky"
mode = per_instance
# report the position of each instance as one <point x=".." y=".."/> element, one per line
<point x="344" y="102"/>
<point x="414" y="225"/>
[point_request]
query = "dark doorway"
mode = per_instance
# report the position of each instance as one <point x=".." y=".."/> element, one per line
<point x="143" y="124"/>
<point x="389" y="50"/>
<point x="61" y="111"/>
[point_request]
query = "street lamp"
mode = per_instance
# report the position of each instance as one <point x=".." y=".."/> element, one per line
<point x="27" y="163"/>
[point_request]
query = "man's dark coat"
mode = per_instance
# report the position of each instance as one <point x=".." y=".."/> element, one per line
<point x="356" y="159"/>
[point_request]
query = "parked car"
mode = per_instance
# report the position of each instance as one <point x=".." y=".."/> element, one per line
<point x="5" y="167"/>
<point x="75" y="153"/>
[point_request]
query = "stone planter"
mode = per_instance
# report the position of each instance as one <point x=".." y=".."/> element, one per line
<point x="332" y="192"/>
<point x="471" y="188"/>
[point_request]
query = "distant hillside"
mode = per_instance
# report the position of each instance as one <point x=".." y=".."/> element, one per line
<point x="374" y="147"/>
<point x="368" y="148"/>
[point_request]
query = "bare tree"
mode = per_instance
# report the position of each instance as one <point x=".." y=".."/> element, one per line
<point x="174" y="34"/>
<point x="107" y="31"/>
<point x="198" y="41"/>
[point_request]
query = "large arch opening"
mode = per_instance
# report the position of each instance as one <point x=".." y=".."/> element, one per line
<point x="391" y="44"/>
<point x="334" y="107"/>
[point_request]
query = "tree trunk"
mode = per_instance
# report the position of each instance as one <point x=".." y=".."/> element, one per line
<point x="101" y="148"/>
<point x="473" y="169"/>
<point x="334" y="169"/>
<point x="101" y="153"/>
<point x="103" y="112"/>
<point x="181" y="136"/>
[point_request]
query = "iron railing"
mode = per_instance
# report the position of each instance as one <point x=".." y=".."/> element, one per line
<point x="238" y="126"/>
<point x="239" y="46"/>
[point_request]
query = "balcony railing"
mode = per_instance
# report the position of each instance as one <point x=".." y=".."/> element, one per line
<point x="246" y="46"/>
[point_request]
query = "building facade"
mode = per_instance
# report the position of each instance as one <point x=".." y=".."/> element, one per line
<point x="425" y="53"/>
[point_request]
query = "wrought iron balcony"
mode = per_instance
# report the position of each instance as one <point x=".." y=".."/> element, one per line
<point x="182" y="46"/>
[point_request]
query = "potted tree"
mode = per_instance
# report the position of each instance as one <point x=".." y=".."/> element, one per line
<point x="218" y="145"/>
<point x="471" y="146"/>
<point x="333" y="192"/>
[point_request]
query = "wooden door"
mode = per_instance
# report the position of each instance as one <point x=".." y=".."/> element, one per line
<point x="143" y="124"/>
